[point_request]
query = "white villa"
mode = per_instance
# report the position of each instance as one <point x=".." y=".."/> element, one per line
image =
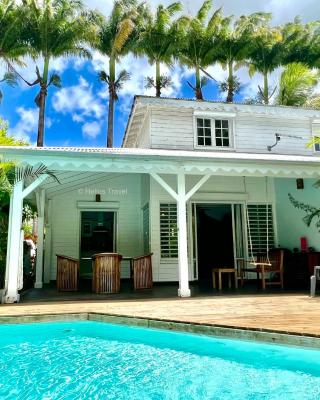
<point x="191" y="180"/>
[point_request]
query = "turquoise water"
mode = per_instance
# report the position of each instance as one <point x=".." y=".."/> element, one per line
<point x="91" y="360"/>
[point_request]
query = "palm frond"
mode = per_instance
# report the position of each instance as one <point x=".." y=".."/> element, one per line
<point x="31" y="172"/>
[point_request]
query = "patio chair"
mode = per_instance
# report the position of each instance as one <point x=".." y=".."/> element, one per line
<point x="106" y="273"/>
<point x="67" y="273"/>
<point x="142" y="272"/>
<point x="313" y="279"/>
<point x="264" y="266"/>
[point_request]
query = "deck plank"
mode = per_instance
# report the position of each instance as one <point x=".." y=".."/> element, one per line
<point x="283" y="313"/>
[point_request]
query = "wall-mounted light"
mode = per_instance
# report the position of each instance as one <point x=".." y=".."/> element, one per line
<point x="300" y="183"/>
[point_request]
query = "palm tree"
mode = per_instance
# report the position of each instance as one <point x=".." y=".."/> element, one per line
<point x="159" y="42"/>
<point x="231" y="49"/>
<point x="12" y="45"/>
<point x="266" y="53"/>
<point x="54" y="28"/>
<point x="116" y="37"/>
<point x="296" y="86"/>
<point x="199" y="39"/>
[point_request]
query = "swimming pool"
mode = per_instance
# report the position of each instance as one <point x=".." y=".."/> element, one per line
<point x="93" y="360"/>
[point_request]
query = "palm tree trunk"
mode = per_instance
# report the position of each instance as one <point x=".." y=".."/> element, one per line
<point x="42" y="103"/>
<point x="158" y="79"/>
<point x="265" y="88"/>
<point x="112" y="78"/>
<point x="199" y="95"/>
<point x="230" y="83"/>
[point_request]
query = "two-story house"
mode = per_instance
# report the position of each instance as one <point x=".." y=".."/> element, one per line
<point x="199" y="184"/>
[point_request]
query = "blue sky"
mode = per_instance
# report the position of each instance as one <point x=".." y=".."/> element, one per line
<point x="77" y="113"/>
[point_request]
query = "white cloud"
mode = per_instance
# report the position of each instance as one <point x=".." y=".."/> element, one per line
<point x="27" y="124"/>
<point x="91" y="129"/>
<point x="80" y="101"/>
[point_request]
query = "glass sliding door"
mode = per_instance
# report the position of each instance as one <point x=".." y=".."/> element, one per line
<point x="97" y="236"/>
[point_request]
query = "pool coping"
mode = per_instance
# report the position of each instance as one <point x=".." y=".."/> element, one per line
<point x="218" y="330"/>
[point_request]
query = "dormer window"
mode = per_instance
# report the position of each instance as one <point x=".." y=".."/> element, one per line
<point x="213" y="132"/>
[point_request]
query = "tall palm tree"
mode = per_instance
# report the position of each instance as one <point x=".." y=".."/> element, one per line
<point x="296" y="86"/>
<point x="12" y="44"/>
<point x="116" y="38"/>
<point x="54" y="28"/>
<point x="159" y="42"/>
<point x="199" y="39"/>
<point x="266" y="53"/>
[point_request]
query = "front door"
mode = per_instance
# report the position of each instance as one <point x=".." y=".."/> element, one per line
<point x="97" y="236"/>
<point x="215" y="244"/>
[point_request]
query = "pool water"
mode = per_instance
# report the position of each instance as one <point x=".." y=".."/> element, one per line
<point x="92" y="360"/>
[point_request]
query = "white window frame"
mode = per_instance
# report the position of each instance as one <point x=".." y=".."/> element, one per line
<point x="230" y="117"/>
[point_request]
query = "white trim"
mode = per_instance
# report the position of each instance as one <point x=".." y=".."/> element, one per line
<point x="165" y="185"/>
<point x="213" y="118"/>
<point x="102" y="205"/>
<point x="215" y="114"/>
<point x="29" y="189"/>
<point x="197" y="186"/>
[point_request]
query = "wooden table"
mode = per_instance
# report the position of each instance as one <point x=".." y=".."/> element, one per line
<point x="221" y="271"/>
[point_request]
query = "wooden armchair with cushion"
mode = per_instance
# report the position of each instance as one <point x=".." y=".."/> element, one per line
<point x="67" y="273"/>
<point x="106" y="273"/>
<point x="142" y="272"/>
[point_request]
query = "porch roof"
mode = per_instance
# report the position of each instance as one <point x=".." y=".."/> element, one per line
<point x="136" y="160"/>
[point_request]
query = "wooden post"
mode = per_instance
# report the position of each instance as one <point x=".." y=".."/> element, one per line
<point x="183" y="290"/>
<point x="11" y="294"/>
<point x="39" y="261"/>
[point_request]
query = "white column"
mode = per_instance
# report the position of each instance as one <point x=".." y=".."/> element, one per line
<point x="183" y="290"/>
<point x="39" y="261"/>
<point x="47" y="244"/>
<point x="13" y="254"/>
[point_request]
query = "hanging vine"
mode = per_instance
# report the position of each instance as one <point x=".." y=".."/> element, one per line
<point x="311" y="212"/>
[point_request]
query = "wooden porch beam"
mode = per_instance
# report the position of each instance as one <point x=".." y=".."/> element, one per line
<point x="164" y="184"/>
<point x="197" y="186"/>
<point x="33" y="186"/>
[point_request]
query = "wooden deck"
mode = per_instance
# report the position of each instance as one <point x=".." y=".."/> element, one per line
<point x="289" y="313"/>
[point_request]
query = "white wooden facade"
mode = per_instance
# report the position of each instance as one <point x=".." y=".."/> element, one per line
<point x="160" y="164"/>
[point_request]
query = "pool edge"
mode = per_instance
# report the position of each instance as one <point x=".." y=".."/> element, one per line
<point x="257" y="335"/>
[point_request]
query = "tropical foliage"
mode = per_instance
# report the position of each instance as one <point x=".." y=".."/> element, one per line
<point x="159" y="42"/>
<point x="43" y="30"/>
<point x="297" y="84"/>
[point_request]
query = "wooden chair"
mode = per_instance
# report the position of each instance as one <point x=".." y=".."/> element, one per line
<point x="142" y="272"/>
<point x="106" y="273"/>
<point x="67" y="273"/>
<point x="265" y="266"/>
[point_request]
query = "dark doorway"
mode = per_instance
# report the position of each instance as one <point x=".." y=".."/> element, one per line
<point x="97" y="236"/>
<point x="214" y="239"/>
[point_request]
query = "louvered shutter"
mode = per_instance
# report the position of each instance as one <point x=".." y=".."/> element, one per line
<point x="168" y="230"/>
<point x="258" y="228"/>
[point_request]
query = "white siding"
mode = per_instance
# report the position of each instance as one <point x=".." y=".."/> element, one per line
<point x="174" y="129"/>
<point x="65" y="225"/>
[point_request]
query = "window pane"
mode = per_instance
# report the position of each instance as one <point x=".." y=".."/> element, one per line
<point x="218" y="142"/>
<point x="200" y="141"/>
<point x="225" y="123"/>
<point x="207" y="123"/>
<point x="208" y="141"/>
<point x="207" y="132"/>
<point x="218" y="123"/>
<point x="225" y="133"/>
<point x="199" y="122"/>
<point x="226" y="142"/>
